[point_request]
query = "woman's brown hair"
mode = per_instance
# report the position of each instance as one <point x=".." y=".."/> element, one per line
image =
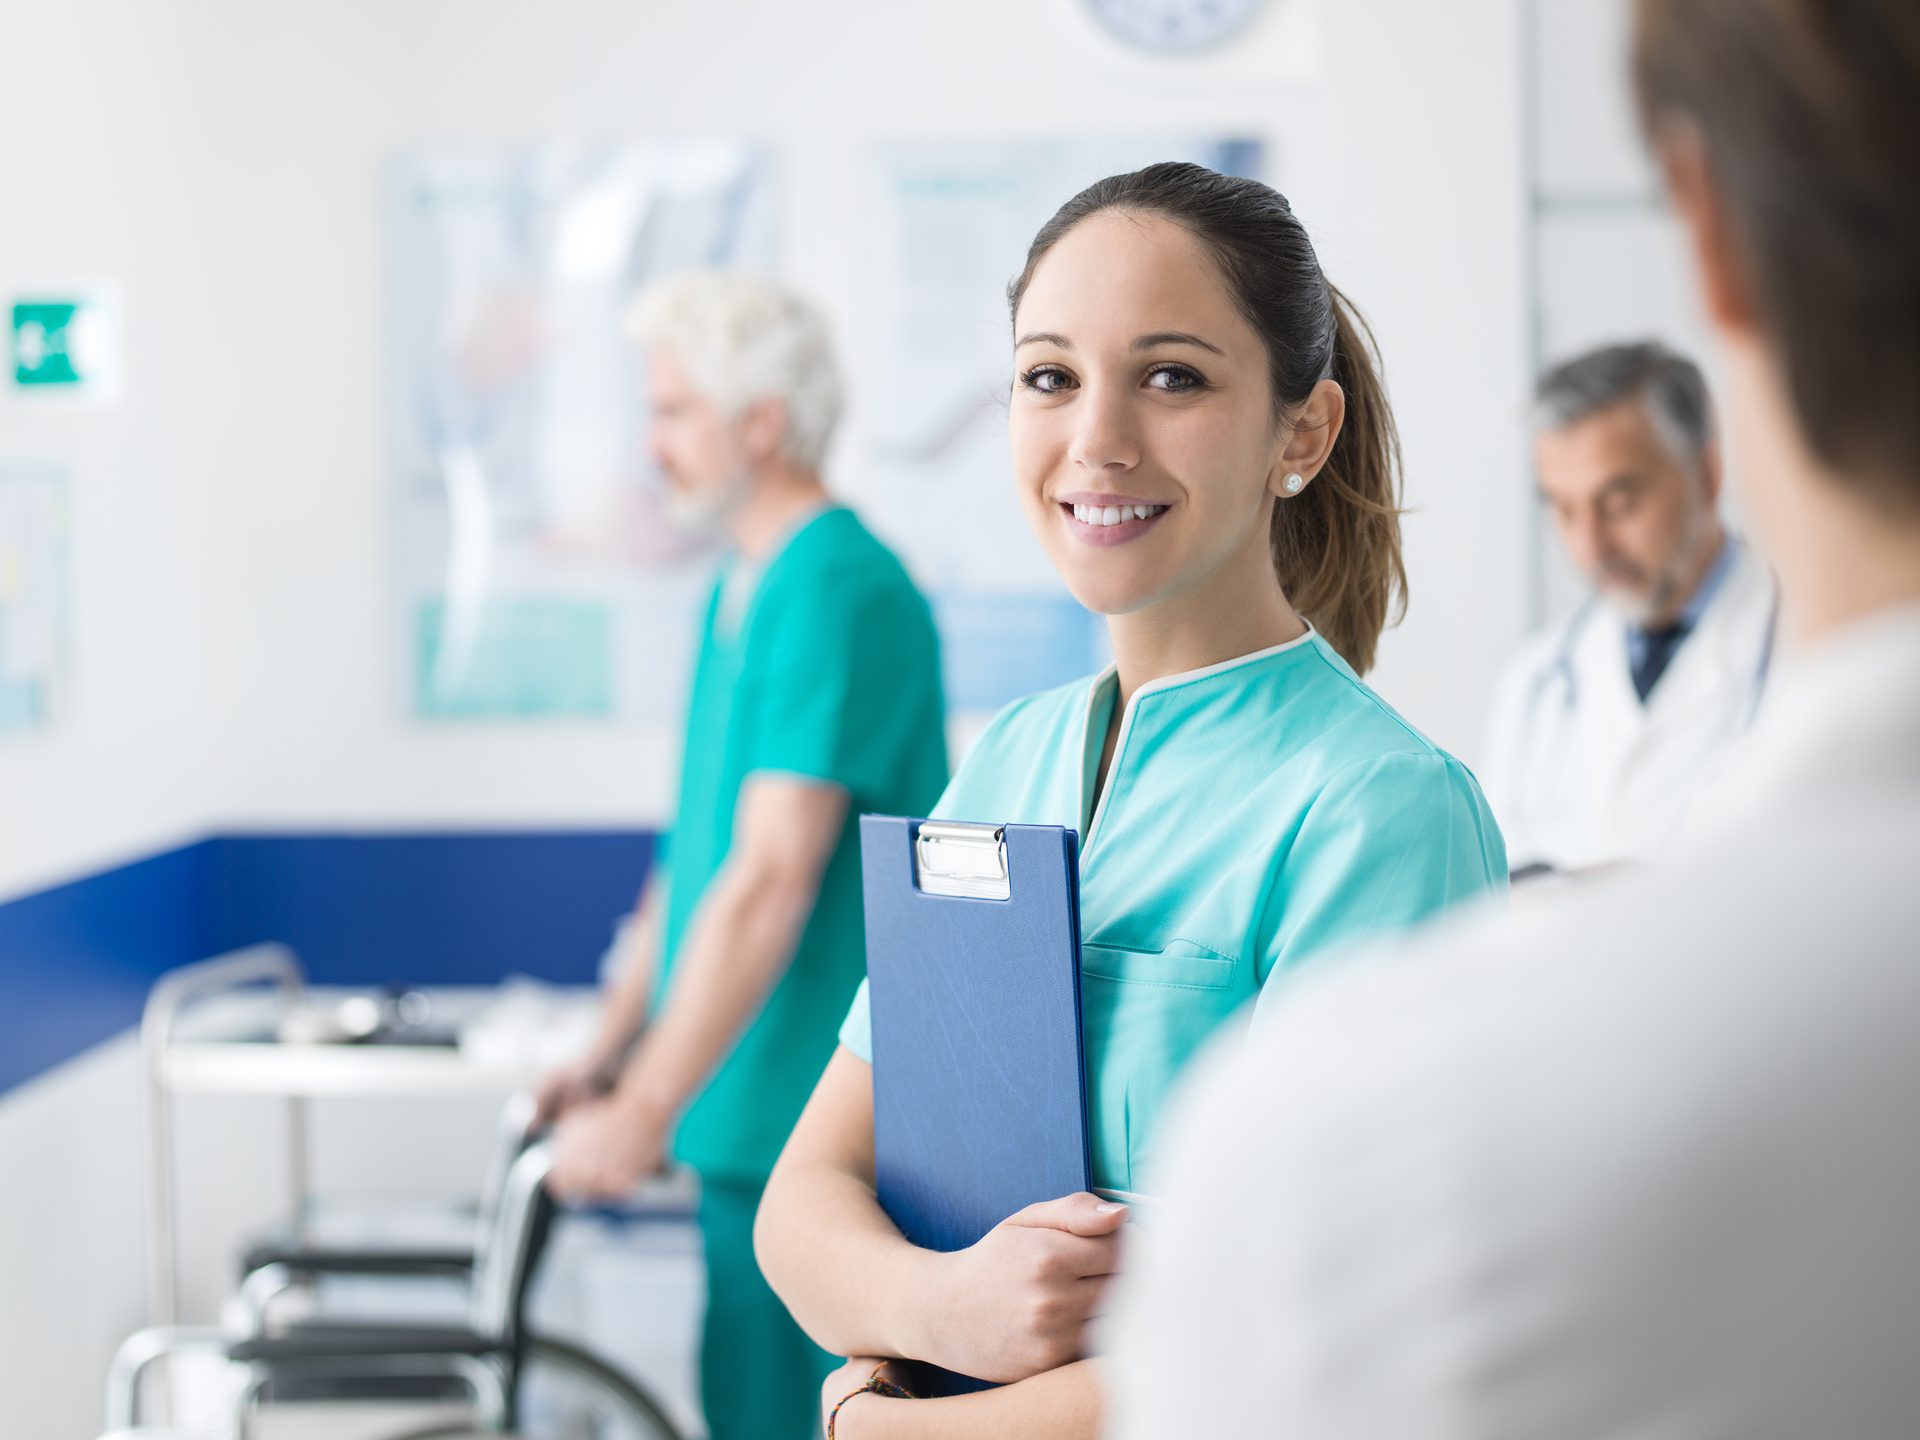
<point x="1336" y="545"/>
<point x="1809" y="115"/>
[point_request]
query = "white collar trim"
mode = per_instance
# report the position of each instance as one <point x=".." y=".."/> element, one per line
<point x="1182" y="677"/>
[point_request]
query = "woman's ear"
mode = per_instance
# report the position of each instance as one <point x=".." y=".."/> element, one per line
<point x="1309" y="440"/>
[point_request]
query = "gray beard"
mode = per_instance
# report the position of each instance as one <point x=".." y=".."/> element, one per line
<point x="1667" y="593"/>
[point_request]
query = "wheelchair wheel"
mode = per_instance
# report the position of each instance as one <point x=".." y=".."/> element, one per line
<point x="571" y="1394"/>
<point x="567" y="1393"/>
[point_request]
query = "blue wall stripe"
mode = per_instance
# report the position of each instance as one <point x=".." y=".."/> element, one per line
<point x="434" y="909"/>
<point x="359" y="909"/>
<point x="76" y="961"/>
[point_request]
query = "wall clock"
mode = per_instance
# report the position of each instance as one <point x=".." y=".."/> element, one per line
<point x="1174" y="26"/>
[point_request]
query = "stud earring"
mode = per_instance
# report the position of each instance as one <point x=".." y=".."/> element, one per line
<point x="1294" y="483"/>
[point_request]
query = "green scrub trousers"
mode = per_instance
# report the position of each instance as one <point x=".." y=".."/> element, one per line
<point x="759" y="1373"/>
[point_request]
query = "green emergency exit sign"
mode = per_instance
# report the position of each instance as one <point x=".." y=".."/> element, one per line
<point x="64" y="343"/>
<point x="45" y="348"/>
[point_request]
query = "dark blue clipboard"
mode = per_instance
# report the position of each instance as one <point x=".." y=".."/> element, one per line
<point x="979" y="1078"/>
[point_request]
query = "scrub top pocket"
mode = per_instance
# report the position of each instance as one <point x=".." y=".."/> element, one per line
<point x="1184" y="963"/>
<point x="1143" y="1014"/>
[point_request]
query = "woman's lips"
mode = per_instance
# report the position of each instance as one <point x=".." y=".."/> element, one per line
<point x="1119" y="533"/>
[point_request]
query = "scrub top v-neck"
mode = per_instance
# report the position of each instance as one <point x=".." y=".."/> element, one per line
<point x="1256" y="814"/>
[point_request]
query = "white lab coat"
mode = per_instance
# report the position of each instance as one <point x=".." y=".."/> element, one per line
<point x="1645" y="1164"/>
<point x="1579" y="773"/>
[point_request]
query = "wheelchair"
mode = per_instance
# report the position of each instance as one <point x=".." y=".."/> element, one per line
<point x="505" y="1375"/>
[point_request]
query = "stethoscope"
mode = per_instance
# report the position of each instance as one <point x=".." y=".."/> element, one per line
<point x="1559" y="670"/>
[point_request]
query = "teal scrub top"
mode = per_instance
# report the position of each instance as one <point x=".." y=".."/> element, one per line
<point x="1256" y="814"/>
<point x="830" y="672"/>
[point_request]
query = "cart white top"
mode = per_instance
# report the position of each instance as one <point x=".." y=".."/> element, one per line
<point x="506" y="1044"/>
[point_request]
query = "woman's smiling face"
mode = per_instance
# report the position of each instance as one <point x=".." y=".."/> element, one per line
<point x="1145" y="445"/>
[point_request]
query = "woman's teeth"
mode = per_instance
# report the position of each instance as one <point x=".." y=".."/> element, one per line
<point x="1114" y="514"/>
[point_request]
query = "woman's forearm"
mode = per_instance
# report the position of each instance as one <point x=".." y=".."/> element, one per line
<point x="1010" y="1306"/>
<point x="1062" y="1404"/>
<point x="825" y="1245"/>
<point x="840" y="1265"/>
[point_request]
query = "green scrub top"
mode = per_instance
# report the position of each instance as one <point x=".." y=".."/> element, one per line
<point x="1256" y="814"/>
<point x="831" y="672"/>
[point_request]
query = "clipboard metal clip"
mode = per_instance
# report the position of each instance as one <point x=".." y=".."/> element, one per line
<point x="951" y="858"/>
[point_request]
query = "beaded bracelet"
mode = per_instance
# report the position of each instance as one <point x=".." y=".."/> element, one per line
<point x="876" y="1384"/>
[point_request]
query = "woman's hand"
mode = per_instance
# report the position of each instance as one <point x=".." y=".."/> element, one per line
<point x="1016" y="1302"/>
<point x="1013" y="1305"/>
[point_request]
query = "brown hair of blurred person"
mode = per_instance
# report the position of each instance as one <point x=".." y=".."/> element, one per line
<point x="1790" y="133"/>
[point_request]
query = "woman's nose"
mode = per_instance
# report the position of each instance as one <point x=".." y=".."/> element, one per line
<point x="1104" y="436"/>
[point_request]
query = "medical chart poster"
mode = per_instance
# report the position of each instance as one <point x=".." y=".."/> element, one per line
<point x="33" y="596"/>
<point x="950" y="222"/>
<point x="539" y="574"/>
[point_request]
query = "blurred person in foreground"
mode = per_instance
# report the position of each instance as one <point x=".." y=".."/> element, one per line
<point x="1648" y="1163"/>
<point x="1604" y="723"/>
<point x="816" y="695"/>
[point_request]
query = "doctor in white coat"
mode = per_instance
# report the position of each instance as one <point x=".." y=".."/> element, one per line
<point x="1648" y="1163"/>
<point x="1603" y="725"/>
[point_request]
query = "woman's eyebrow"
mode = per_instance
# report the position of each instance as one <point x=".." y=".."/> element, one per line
<point x="1175" y="337"/>
<point x="1043" y="337"/>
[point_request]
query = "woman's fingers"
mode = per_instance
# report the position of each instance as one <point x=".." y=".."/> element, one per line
<point x="1077" y="1214"/>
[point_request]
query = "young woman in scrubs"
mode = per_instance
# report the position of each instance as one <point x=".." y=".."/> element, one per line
<point x="1203" y="448"/>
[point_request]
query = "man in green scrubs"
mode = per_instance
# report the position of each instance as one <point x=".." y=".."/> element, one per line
<point x="816" y="696"/>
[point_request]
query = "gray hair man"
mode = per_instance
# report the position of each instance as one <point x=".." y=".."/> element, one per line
<point x="815" y="697"/>
<point x="1603" y="724"/>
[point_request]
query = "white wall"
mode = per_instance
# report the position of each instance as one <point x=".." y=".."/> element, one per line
<point x="1610" y="262"/>
<point x="73" y="1227"/>
<point x="235" y="620"/>
<point x="1418" y="216"/>
<point x="1407" y="174"/>
<point x="71" y="1245"/>
<point x="97" y="164"/>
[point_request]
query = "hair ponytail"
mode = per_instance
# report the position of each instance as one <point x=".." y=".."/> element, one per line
<point x="1336" y="545"/>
